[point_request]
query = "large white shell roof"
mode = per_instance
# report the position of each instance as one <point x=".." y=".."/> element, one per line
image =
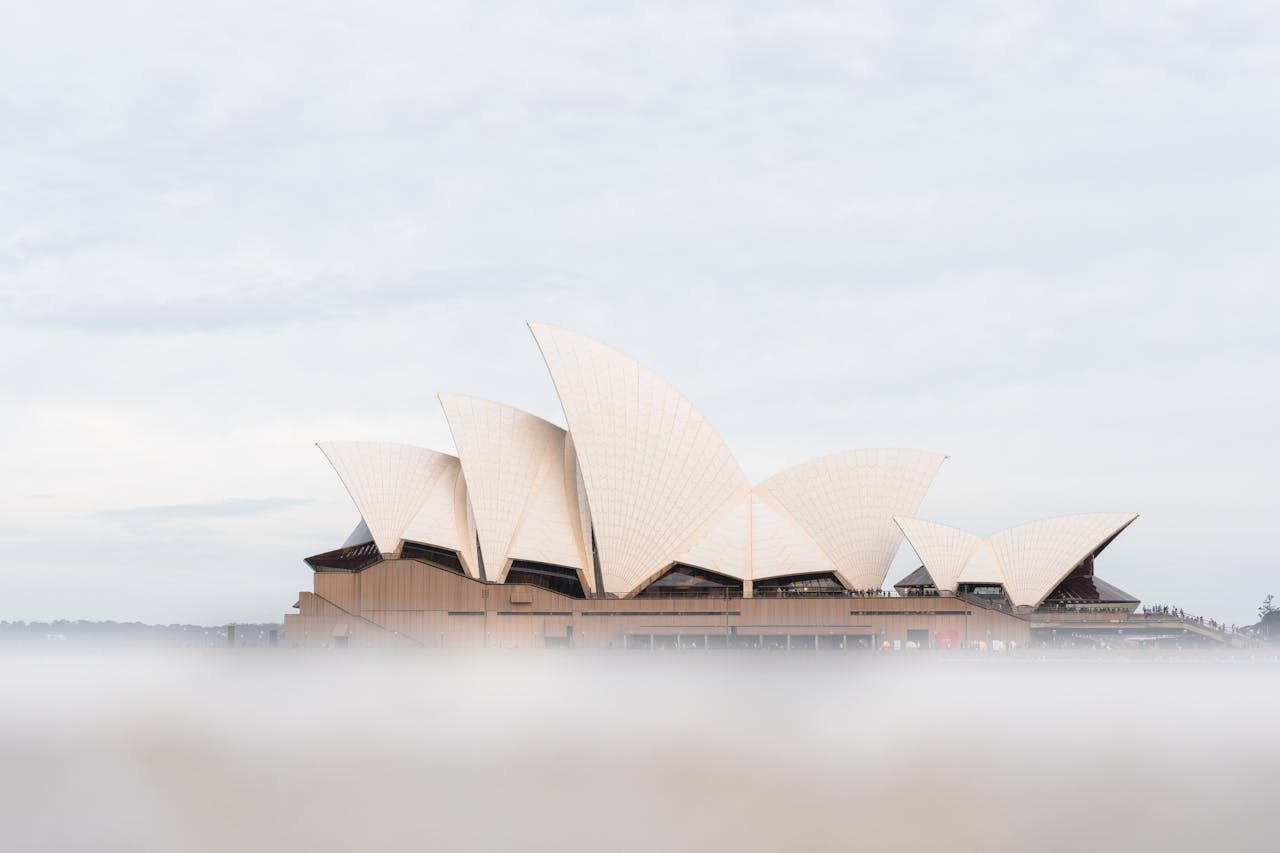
<point x="1036" y="557"/>
<point x="846" y="502"/>
<point x="641" y="481"/>
<point x="654" y="468"/>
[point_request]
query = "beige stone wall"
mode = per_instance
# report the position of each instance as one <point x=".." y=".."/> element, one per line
<point x="406" y="603"/>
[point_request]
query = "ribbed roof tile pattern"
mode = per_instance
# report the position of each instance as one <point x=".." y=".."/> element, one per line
<point x="577" y="496"/>
<point x="436" y="523"/>
<point x="653" y="466"/>
<point x="726" y="546"/>
<point x="983" y="567"/>
<point x="466" y="521"/>
<point x="847" y="502"/>
<point x="388" y="483"/>
<point x="1029" y="560"/>
<point x="778" y="545"/>
<point x="548" y="532"/>
<point x="945" y="551"/>
<point x="1036" y="557"/>
<point x="514" y="465"/>
<point x="647" y="477"/>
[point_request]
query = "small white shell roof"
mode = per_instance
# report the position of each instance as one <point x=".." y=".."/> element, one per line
<point x="388" y="483"/>
<point x="1036" y="557"/>
<point x="1030" y="560"/>
<point x="982" y="567"/>
<point x="654" y="469"/>
<point x="944" y="551"/>
<point x="515" y="468"/>
<point x="846" y="502"/>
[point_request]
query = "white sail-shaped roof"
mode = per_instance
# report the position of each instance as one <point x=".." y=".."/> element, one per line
<point x="576" y="495"/>
<point x="1036" y="557"/>
<point x="847" y="502"/>
<point x="468" y="539"/>
<point x="1030" y="560"/>
<point x="442" y="520"/>
<point x="779" y="546"/>
<point x="654" y="468"/>
<point x="726" y="547"/>
<point x="982" y="567"/>
<point x="944" y="551"/>
<point x="642" y="480"/>
<point x="388" y="483"/>
<point x="515" y="471"/>
<point x="436" y="522"/>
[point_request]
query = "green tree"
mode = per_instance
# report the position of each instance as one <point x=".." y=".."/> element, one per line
<point x="1267" y="607"/>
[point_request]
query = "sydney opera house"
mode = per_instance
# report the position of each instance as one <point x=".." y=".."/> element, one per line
<point x="635" y="527"/>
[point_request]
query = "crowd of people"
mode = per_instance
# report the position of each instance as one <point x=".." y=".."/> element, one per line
<point x="1179" y="613"/>
<point x="795" y="591"/>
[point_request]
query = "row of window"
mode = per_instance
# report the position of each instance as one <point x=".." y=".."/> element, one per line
<point x="679" y="581"/>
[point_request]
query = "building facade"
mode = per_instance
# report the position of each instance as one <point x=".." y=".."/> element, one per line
<point x="635" y="527"/>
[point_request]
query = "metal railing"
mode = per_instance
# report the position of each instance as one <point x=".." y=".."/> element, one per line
<point x="737" y="594"/>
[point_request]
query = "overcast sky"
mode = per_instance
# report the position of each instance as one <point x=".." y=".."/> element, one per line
<point x="1042" y="239"/>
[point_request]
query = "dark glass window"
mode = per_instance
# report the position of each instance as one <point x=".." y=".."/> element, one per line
<point x="559" y="579"/>
<point x="682" y="580"/>
<point x="985" y="591"/>
<point x="1082" y="590"/>
<point x="442" y="558"/>
<point x="817" y="583"/>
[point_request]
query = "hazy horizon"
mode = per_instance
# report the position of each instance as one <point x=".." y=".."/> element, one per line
<point x="212" y="752"/>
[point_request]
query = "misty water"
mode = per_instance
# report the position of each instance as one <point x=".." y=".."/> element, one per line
<point x="221" y="750"/>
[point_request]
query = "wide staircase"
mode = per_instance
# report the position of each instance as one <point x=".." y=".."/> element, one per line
<point x="1172" y="622"/>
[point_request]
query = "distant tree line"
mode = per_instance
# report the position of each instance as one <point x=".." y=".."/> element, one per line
<point x="86" y="633"/>
<point x="1268" y="627"/>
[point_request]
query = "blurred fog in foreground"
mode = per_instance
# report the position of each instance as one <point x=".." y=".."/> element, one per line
<point x="243" y="750"/>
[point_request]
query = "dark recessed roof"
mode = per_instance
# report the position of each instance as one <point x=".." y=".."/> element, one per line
<point x="920" y="577"/>
<point x="1089" y="588"/>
